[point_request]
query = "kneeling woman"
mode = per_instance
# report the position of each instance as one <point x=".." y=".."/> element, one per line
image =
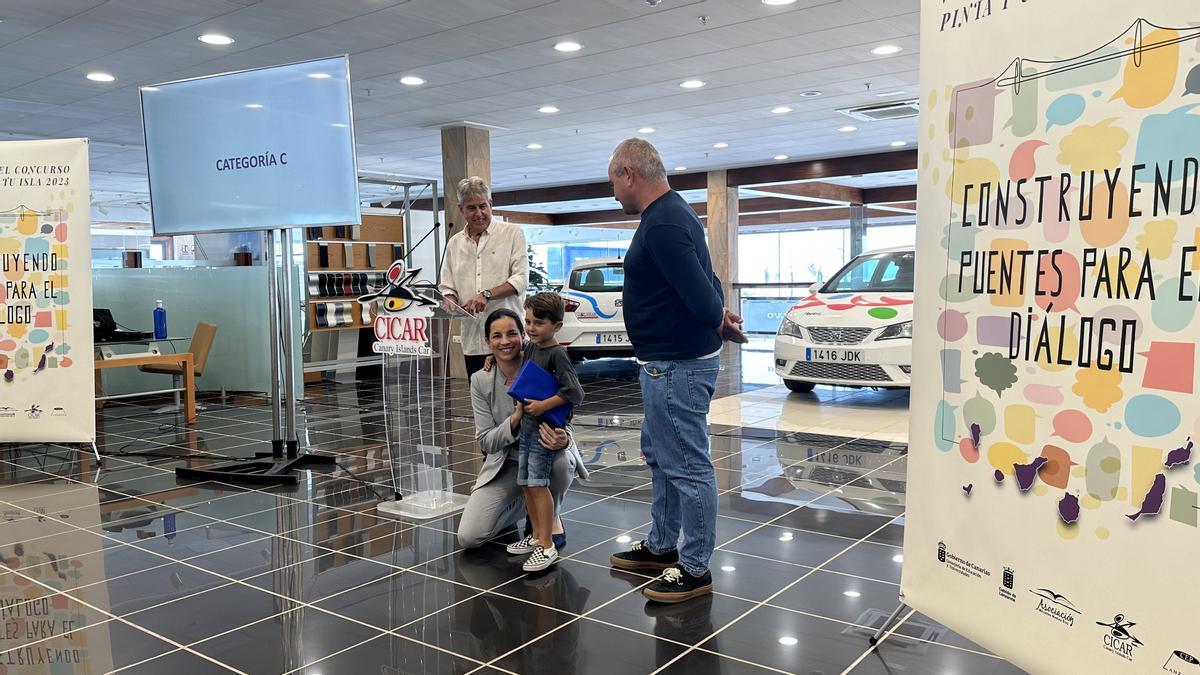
<point x="496" y="501"/>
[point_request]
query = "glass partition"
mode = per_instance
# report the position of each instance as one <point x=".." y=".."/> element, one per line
<point x="232" y="298"/>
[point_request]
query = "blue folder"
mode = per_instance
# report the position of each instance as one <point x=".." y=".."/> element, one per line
<point x="534" y="383"/>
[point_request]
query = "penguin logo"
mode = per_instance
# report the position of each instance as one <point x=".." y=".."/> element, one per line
<point x="401" y="291"/>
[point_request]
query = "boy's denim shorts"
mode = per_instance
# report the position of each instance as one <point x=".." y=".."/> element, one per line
<point x="534" y="462"/>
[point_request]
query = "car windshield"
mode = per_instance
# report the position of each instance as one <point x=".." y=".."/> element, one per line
<point x="610" y="279"/>
<point x="875" y="273"/>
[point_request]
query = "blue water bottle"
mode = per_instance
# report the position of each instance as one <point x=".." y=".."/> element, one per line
<point x="160" y="321"/>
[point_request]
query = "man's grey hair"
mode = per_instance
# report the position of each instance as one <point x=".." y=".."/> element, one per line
<point x="641" y="156"/>
<point x="473" y="187"/>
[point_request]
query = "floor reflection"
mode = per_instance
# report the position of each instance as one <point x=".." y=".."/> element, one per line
<point x="124" y="565"/>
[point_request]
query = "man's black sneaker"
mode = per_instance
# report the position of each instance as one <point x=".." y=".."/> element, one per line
<point x="640" y="558"/>
<point x="677" y="585"/>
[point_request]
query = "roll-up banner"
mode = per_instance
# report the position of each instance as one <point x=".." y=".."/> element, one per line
<point x="46" y="362"/>
<point x="1052" y="484"/>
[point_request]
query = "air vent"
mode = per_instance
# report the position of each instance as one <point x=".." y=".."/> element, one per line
<point x="895" y="110"/>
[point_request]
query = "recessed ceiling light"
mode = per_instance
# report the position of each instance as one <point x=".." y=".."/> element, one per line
<point x="728" y="568"/>
<point x="781" y="156"/>
<point x="646" y="130"/>
<point x="254" y="106"/>
<point x="215" y="39"/>
<point x="852" y="594"/>
<point x="720" y="145"/>
<point x="412" y="81"/>
<point x="781" y="109"/>
<point x="776" y="3"/>
<point x="899" y="144"/>
<point x="809" y="94"/>
<point x="320" y="76"/>
<point x="891" y="93"/>
<point x="548" y="109"/>
<point x="692" y="84"/>
<point x="847" y="129"/>
<point x="567" y="46"/>
<point x="788" y="641"/>
<point x="101" y="77"/>
<point x="534" y="146"/>
<point x="681" y="168"/>
<point x="899" y="558"/>
<point x="887" y="50"/>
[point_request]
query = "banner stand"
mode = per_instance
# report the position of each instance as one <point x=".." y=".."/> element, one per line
<point x="272" y="468"/>
<point x="888" y="623"/>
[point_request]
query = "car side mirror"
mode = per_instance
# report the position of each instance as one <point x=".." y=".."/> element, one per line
<point x="815" y="288"/>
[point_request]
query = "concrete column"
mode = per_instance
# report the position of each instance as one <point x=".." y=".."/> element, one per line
<point x="723" y="232"/>
<point x="858" y="228"/>
<point x="466" y="152"/>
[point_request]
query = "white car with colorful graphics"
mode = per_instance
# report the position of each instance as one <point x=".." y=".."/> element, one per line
<point x="594" y="325"/>
<point x="853" y="330"/>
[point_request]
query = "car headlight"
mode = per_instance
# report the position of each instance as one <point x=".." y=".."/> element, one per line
<point x="789" y="327"/>
<point x="897" y="331"/>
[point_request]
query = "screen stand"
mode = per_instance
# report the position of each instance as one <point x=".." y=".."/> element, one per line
<point x="273" y="468"/>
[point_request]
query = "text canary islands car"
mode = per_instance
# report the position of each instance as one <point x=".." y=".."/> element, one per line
<point x="853" y="330"/>
<point x="594" y="325"/>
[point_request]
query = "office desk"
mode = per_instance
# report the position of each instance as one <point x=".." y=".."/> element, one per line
<point x="106" y="359"/>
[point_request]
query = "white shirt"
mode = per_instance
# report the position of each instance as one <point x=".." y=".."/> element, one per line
<point x="470" y="268"/>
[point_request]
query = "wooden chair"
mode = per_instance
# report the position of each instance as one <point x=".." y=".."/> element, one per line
<point x="200" y="346"/>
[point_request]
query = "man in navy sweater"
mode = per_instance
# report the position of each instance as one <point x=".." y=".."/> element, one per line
<point x="676" y="320"/>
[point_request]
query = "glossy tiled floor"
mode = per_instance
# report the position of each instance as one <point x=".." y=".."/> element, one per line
<point x="152" y="575"/>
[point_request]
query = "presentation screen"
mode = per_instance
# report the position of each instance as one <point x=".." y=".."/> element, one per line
<point x="252" y="150"/>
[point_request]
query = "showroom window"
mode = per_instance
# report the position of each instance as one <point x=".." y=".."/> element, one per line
<point x="556" y="248"/>
<point x="798" y="256"/>
<point x="887" y="236"/>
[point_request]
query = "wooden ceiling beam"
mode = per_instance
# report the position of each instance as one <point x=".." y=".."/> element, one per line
<point x="816" y="190"/>
<point x="818" y="169"/>
<point x="890" y="194"/>
<point x="525" y="217"/>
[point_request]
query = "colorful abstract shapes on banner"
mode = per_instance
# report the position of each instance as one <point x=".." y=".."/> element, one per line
<point x="1056" y="472"/>
<point x="973" y="115"/>
<point x="1073" y="426"/>
<point x="1093" y="147"/>
<point x="1170" y="366"/>
<point x="1098" y="389"/>
<point x="1024" y="101"/>
<point x="1150" y="71"/>
<point x="1104" y="470"/>
<point x="1064" y="110"/>
<point x="1151" y="416"/>
<point x="979" y="410"/>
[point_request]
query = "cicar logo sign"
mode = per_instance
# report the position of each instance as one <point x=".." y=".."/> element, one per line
<point x="401" y="324"/>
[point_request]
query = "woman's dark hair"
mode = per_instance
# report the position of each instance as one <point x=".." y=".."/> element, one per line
<point x="500" y="314"/>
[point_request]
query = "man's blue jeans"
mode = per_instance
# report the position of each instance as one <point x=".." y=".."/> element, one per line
<point x="676" y="396"/>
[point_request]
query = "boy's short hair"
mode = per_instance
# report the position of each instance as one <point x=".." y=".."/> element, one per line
<point x="546" y="306"/>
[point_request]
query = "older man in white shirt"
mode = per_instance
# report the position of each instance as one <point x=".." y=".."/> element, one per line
<point x="486" y="268"/>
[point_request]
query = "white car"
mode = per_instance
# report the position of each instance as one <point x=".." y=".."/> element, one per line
<point x="594" y="325"/>
<point x="853" y="330"/>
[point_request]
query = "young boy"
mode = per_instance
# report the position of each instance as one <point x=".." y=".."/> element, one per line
<point x="543" y="319"/>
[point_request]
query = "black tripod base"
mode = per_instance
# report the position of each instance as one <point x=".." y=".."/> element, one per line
<point x="265" y="469"/>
